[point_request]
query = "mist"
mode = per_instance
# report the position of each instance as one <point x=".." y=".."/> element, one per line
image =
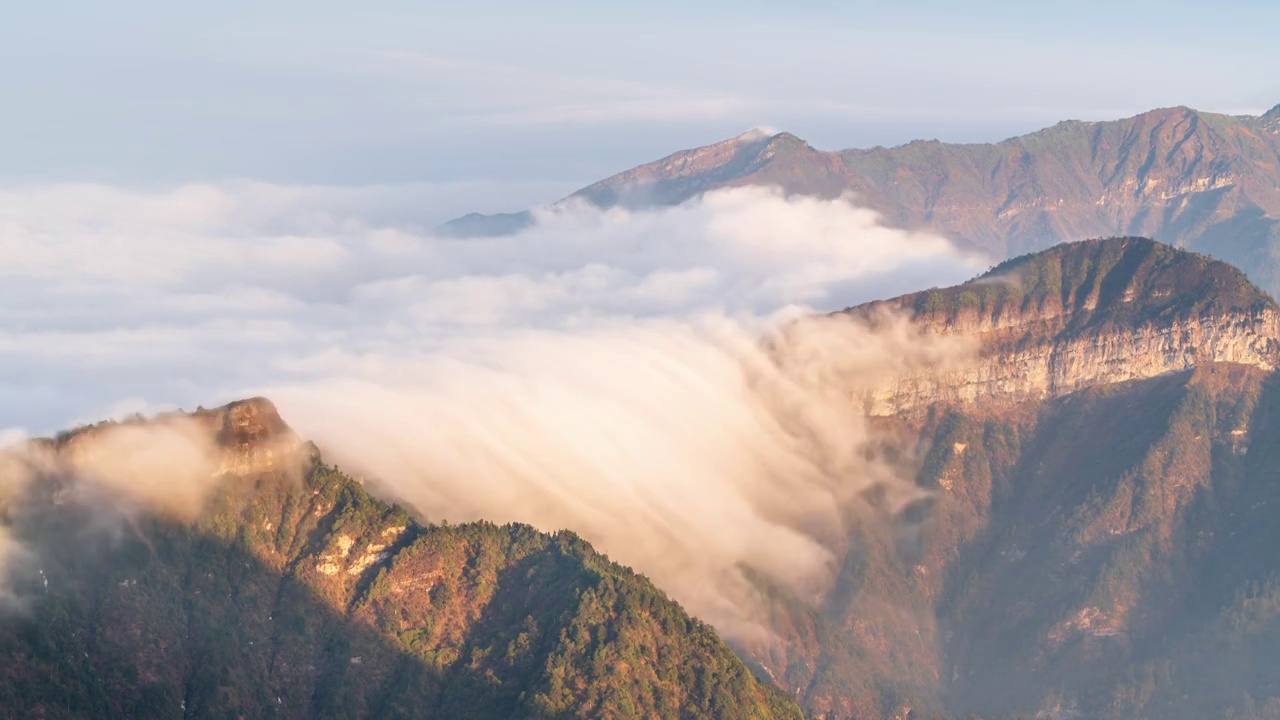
<point x="661" y="381"/>
<point x="107" y="476"/>
<point x="121" y="300"/>
<point x="694" y="451"/>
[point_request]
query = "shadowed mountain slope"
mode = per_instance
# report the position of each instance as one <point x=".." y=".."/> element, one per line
<point x="1096" y="541"/>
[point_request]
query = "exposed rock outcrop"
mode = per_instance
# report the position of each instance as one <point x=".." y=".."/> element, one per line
<point x="245" y="437"/>
<point x="1085" y="314"/>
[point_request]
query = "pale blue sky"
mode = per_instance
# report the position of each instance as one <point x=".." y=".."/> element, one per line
<point x="565" y="92"/>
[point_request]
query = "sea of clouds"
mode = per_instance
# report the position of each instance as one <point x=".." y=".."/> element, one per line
<point x="115" y="299"/>
<point x="653" y="379"/>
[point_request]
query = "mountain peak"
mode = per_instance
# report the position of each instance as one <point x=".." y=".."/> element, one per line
<point x="477" y="225"/>
<point x="786" y="139"/>
<point x="1131" y="276"/>
<point x="301" y="595"/>
<point x="1165" y="113"/>
<point x="1088" y="313"/>
<point x="1104" y="280"/>
<point x="755" y="134"/>
<point x="1271" y="120"/>
<point x="687" y="173"/>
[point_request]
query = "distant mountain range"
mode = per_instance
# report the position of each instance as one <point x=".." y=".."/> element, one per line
<point x="1201" y="181"/>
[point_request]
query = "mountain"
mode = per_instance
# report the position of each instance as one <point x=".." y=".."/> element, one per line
<point x="293" y="593"/>
<point x="1093" y="536"/>
<point x="1271" y="120"/>
<point x="1085" y="314"/>
<point x="1099" y="538"/>
<point x="479" y="225"/>
<point x="1202" y="181"/>
<point x="753" y="158"/>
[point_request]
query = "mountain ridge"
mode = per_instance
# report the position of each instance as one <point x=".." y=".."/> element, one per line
<point x="1084" y="314"/>
<point x="1203" y="181"/>
<point x="291" y="592"/>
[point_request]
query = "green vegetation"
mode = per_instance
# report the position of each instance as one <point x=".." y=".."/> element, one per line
<point x="303" y="596"/>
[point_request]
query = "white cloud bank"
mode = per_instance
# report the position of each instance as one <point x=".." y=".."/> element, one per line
<point x="699" y="451"/>
<point x="601" y="371"/>
<point x="192" y="294"/>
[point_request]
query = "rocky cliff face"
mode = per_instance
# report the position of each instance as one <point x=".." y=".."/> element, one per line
<point x="1096" y="529"/>
<point x="1016" y="369"/>
<point x="1107" y="554"/>
<point x="245" y="437"/>
<point x="1081" y="315"/>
